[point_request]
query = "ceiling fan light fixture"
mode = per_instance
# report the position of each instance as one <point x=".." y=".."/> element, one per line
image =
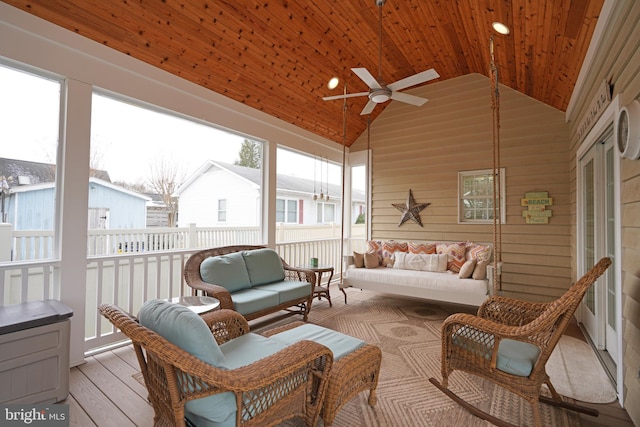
<point x="379" y="92"/>
<point x="500" y="28"/>
<point x="333" y="83"/>
<point x="380" y="95"/>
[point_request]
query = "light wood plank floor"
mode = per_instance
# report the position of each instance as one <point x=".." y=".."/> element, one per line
<point x="104" y="393"/>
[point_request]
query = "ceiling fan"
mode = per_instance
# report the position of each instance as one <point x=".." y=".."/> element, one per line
<point x="380" y="92"/>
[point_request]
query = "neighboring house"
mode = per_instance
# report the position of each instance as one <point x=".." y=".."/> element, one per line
<point x="220" y="194"/>
<point x="124" y="209"/>
<point x="29" y="203"/>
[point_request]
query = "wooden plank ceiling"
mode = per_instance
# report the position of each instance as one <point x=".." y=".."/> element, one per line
<point x="277" y="55"/>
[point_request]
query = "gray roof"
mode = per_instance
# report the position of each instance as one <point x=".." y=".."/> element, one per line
<point x="291" y="183"/>
<point x="38" y="173"/>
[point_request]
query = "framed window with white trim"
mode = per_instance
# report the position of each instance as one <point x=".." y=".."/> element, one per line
<point x="326" y="213"/>
<point x="475" y="196"/>
<point x="222" y="210"/>
<point x="287" y="211"/>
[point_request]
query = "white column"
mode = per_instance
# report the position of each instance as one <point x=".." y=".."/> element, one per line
<point x="269" y="178"/>
<point x="6" y="238"/>
<point x="73" y="198"/>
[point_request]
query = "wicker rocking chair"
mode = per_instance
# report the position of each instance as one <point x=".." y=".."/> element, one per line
<point x="289" y="383"/>
<point x="509" y="343"/>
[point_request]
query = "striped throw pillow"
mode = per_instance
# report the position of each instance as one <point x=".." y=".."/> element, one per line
<point x="456" y="254"/>
<point x="422" y="248"/>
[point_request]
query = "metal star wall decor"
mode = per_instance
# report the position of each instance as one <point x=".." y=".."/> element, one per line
<point x="410" y="210"/>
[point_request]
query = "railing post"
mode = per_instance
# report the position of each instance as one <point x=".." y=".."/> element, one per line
<point x="6" y="241"/>
<point x="280" y="229"/>
<point x="193" y="237"/>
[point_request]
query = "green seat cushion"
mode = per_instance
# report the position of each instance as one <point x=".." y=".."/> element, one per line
<point x="517" y="357"/>
<point x="248" y="348"/>
<point x="264" y="266"/>
<point x="514" y="357"/>
<point x="251" y="300"/>
<point x="339" y="343"/>
<point x="182" y="327"/>
<point x="199" y="421"/>
<point x="288" y="290"/>
<point x="228" y="271"/>
<point x="242" y="351"/>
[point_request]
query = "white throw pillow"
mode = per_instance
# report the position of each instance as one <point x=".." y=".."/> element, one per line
<point x="420" y="262"/>
<point x="467" y="269"/>
<point x="438" y="262"/>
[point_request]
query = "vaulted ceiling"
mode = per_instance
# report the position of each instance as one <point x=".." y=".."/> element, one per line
<point x="277" y="55"/>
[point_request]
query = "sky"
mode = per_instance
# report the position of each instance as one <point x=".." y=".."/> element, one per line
<point x="125" y="139"/>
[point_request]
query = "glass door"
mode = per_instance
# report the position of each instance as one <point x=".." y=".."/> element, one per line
<point x="597" y="235"/>
<point x="588" y="211"/>
<point x="611" y="335"/>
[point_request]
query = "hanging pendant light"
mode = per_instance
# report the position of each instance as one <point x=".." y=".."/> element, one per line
<point x="321" y="193"/>
<point x="327" y="176"/>
<point x="315" y="162"/>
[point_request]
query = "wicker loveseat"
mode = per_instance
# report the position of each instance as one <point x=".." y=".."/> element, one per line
<point x="252" y="280"/>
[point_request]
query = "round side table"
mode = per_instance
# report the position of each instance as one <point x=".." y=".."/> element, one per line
<point x="321" y="291"/>
<point x="197" y="304"/>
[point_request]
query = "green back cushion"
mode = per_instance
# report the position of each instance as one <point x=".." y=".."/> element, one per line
<point x="185" y="329"/>
<point x="228" y="270"/>
<point x="264" y="266"/>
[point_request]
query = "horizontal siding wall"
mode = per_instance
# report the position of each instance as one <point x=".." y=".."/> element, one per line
<point x="424" y="148"/>
<point x="617" y="61"/>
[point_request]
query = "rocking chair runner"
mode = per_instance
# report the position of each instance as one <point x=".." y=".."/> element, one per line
<point x="509" y="343"/>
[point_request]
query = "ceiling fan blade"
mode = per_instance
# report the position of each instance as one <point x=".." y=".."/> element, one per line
<point x="349" y="95"/>
<point x="416" y="79"/>
<point x="366" y="77"/>
<point x="409" y="99"/>
<point x="368" y="108"/>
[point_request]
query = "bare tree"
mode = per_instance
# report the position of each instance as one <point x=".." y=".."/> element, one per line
<point x="96" y="161"/>
<point x="164" y="178"/>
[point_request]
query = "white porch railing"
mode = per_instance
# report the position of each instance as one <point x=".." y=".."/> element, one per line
<point x="28" y="281"/>
<point x="129" y="279"/>
<point x="38" y="244"/>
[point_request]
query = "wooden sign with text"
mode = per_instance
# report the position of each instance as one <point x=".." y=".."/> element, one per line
<point x="536" y="203"/>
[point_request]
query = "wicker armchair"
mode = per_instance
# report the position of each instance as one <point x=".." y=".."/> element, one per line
<point x="194" y="280"/>
<point x="504" y="327"/>
<point x="290" y="383"/>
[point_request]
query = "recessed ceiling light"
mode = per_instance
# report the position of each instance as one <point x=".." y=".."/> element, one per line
<point x="500" y="28"/>
<point x="333" y="83"/>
